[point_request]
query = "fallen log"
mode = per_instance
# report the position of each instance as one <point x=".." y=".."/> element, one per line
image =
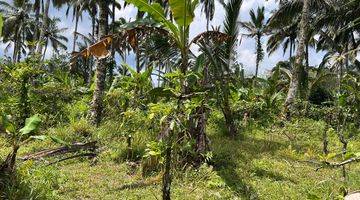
<point x="76" y="147"/>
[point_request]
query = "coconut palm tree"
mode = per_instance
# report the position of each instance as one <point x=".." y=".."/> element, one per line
<point x="53" y="36"/>
<point x="288" y="12"/>
<point x="256" y="28"/>
<point x="285" y="36"/>
<point x="18" y="26"/>
<point x="300" y="55"/>
<point x="100" y="74"/>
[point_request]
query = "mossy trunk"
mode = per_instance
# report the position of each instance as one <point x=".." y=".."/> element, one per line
<point x="167" y="174"/>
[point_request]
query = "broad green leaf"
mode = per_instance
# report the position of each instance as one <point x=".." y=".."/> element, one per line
<point x="156" y="12"/>
<point x="31" y="124"/>
<point x="183" y="11"/>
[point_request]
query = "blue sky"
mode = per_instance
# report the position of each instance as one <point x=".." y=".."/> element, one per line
<point x="246" y="49"/>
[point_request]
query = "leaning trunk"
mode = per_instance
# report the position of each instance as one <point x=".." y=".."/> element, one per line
<point x="100" y="74"/>
<point x="300" y="54"/>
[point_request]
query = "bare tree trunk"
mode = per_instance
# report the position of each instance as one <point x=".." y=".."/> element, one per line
<point x="300" y="54"/>
<point x="76" y="29"/>
<point x="258" y="56"/>
<point x="15" y="52"/>
<point x="93" y="21"/>
<point x="325" y="140"/>
<point x="36" y="35"/>
<point x="100" y="74"/>
<point x="44" y="27"/>
<point x="44" y="54"/>
<point x="291" y="49"/>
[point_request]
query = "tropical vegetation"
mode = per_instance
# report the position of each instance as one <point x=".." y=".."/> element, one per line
<point x="148" y="108"/>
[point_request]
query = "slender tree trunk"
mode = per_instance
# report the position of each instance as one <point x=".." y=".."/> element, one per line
<point x="113" y="64"/>
<point x="325" y="140"/>
<point x="100" y="74"/>
<point x="24" y="100"/>
<point x="199" y="130"/>
<point x="307" y="55"/>
<point x="45" y="24"/>
<point x="37" y="22"/>
<point x="291" y="49"/>
<point x="15" y="47"/>
<point x="44" y="54"/>
<point x="300" y="54"/>
<point x="76" y="29"/>
<point x="258" y="56"/>
<point x="167" y="174"/>
<point x="93" y="20"/>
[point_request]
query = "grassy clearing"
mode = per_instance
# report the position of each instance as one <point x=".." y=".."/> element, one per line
<point x="265" y="164"/>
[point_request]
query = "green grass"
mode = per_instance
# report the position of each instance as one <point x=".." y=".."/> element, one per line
<point x="266" y="164"/>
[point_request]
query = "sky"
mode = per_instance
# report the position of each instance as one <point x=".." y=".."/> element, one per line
<point x="246" y="50"/>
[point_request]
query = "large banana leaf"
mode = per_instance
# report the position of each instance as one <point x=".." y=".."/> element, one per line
<point x="183" y="11"/>
<point x="31" y="124"/>
<point x="157" y="13"/>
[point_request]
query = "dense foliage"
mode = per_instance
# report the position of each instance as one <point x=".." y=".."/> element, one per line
<point x="186" y="111"/>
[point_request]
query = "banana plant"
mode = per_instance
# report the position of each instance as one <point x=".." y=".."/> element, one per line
<point x="183" y="12"/>
<point x="18" y="138"/>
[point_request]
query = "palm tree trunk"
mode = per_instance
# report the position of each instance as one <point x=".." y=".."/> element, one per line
<point x="15" y="47"/>
<point x="100" y="74"/>
<point x="300" y="54"/>
<point x="46" y="45"/>
<point x="258" y="47"/>
<point x="113" y="64"/>
<point x="76" y="29"/>
<point x="37" y="3"/>
<point x="93" y="20"/>
<point x="291" y="49"/>
<point x="138" y="68"/>
<point x="44" y="26"/>
<point x="167" y="174"/>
